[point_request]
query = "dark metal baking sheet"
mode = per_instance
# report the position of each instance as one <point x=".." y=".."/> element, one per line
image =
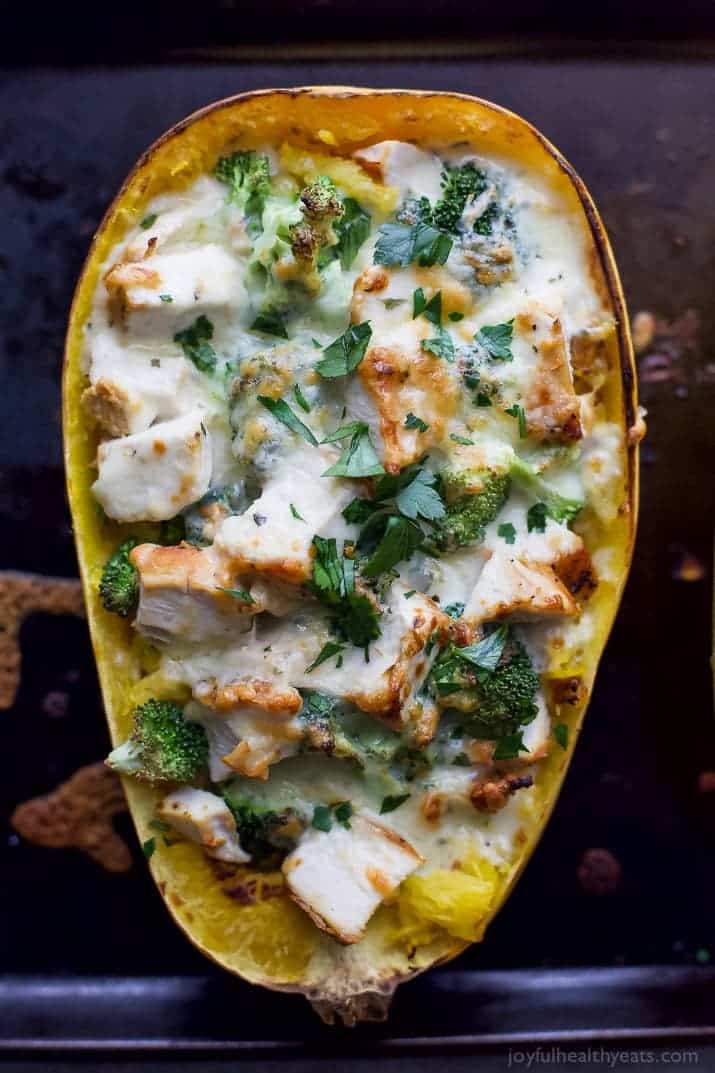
<point x="73" y="938"/>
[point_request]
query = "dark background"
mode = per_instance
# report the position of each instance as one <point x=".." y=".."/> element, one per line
<point x="634" y="112"/>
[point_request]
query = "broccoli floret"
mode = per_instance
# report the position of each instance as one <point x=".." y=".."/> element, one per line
<point x="491" y="703"/>
<point x="348" y="735"/>
<point x="459" y="184"/>
<point x="558" y="507"/>
<point x="163" y="746"/>
<point x="248" y="178"/>
<point x="266" y="830"/>
<point x="321" y="207"/>
<point x="119" y="585"/>
<point x="474" y="500"/>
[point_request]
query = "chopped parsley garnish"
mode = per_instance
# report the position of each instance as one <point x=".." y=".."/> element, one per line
<point x="148" y="221"/>
<point x="509" y="747"/>
<point x="561" y="733"/>
<point x="393" y="303"/>
<point x="327" y="652"/>
<point x="352" y="230"/>
<point x="536" y="518"/>
<point x="270" y="322"/>
<point x="283" y="413"/>
<point x="343" y="811"/>
<point x="410" y="593"/>
<point x="238" y="594"/>
<point x="507" y="532"/>
<point x="296" y="515"/>
<point x="401" y="244"/>
<point x="517" y="412"/>
<point x="399" y="541"/>
<point x="441" y="345"/>
<point x="345" y="353"/>
<point x="412" y="421"/>
<point x="359" y="458"/>
<point x="496" y="339"/>
<point x="322" y="818"/>
<point x="149" y="847"/>
<point x="486" y="653"/>
<point x="482" y="399"/>
<point x="431" y="311"/>
<point x="301" y="399"/>
<point x="461" y="439"/>
<point x="456" y="316"/>
<point x="420" y="499"/>
<point x="393" y="801"/>
<point x="195" y="342"/>
<point x="355" y="617"/>
<point x="165" y="298"/>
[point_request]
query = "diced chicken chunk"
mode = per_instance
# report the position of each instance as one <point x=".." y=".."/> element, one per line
<point x="340" y="877"/>
<point x="406" y="379"/>
<point x="204" y="818"/>
<point x="180" y="595"/>
<point x="551" y="405"/>
<point x="195" y="280"/>
<point x="131" y="387"/>
<point x="152" y="475"/>
<point x="413" y="171"/>
<point x="268" y="538"/>
<point x="518" y="589"/>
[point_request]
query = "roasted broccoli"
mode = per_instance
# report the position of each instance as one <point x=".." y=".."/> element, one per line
<point x="558" y="507"/>
<point x="473" y="500"/>
<point x="493" y="692"/>
<point x="267" y="830"/>
<point x="349" y="735"/>
<point x="163" y="746"/>
<point x="119" y="585"/>
<point x="248" y="178"/>
<point x="321" y="207"/>
<point x="459" y="185"/>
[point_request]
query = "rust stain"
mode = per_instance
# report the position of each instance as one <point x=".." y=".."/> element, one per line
<point x="22" y="595"/>
<point x="78" y="815"/>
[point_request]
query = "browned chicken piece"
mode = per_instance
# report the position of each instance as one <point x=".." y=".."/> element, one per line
<point x="552" y="407"/>
<point x="519" y="589"/>
<point x="107" y="405"/>
<point x="249" y="692"/>
<point x="576" y="570"/>
<point x="491" y="795"/>
<point x="592" y="355"/>
<point x="402" y="380"/>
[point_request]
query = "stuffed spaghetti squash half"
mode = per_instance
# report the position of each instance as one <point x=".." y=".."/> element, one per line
<point x="350" y="434"/>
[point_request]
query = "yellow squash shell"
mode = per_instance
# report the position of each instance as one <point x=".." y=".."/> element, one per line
<point x="248" y="925"/>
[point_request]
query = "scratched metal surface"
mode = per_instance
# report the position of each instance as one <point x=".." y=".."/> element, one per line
<point x="641" y="134"/>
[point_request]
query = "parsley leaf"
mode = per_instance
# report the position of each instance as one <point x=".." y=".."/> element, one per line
<point x="345" y="353"/>
<point x="296" y="515"/>
<point x="400" y="539"/>
<point x="148" y="221"/>
<point x="496" y="340"/>
<point x="393" y="303"/>
<point x="359" y="458"/>
<point x="441" y="346"/>
<point x="352" y="230"/>
<point x="518" y="412"/>
<point x="419" y="499"/>
<point x="283" y="413"/>
<point x="507" y="532"/>
<point x="322" y="818"/>
<point x="238" y="594"/>
<point x="301" y="399"/>
<point x="165" y="298"/>
<point x="536" y="518"/>
<point x="359" y="510"/>
<point x="401" y="244"/>
<point x="431" y="311"/>
<point x="343" y="811"/>
<point x="333" y="582"/>
<point x="561" y="733"/>
<point x="509" y="747"/>
<point x="270" y="322"/>
<point x="455" y="610"/>
<point x="486" y="653"/>
<point x="194" y="341"/>
<point x="464" y="440"/>
<point x="327" y="652"/>
<point x="482" y="399"/>
<point x="149" y="846"/>
<point x="411" y="421"/>
<point x="456" y="316"/>
<point x="393" y="801"/>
